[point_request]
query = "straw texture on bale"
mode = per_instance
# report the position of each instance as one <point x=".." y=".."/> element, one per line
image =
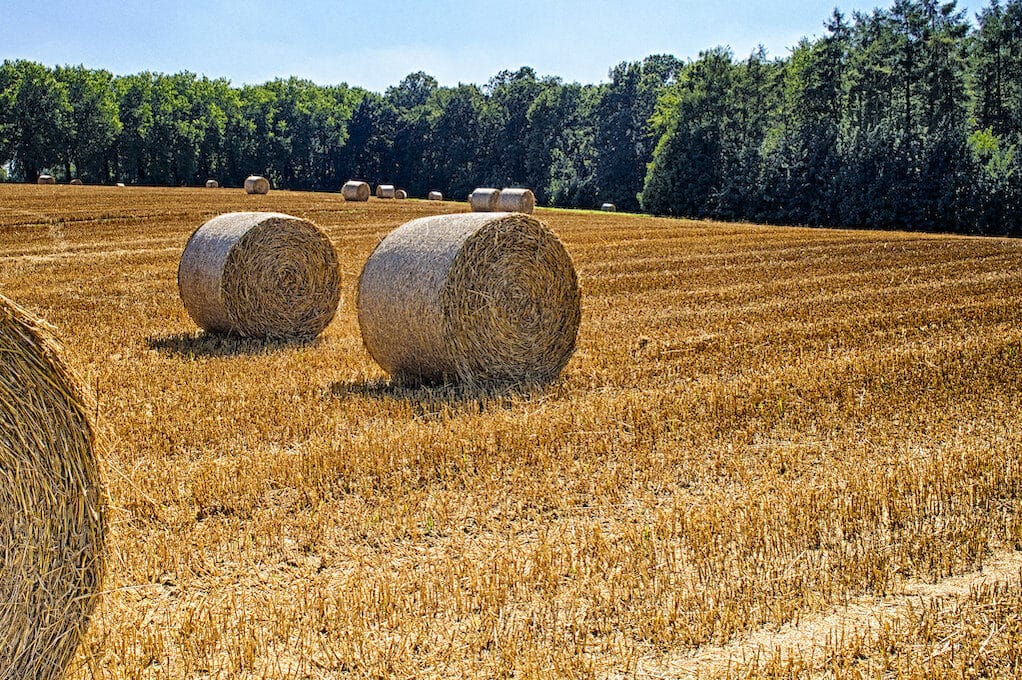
<point x="608" y="207"/>
<point x="355" y="191"/>
<point x="46" y="179"/>
<point x="484" y="200"/>
<point x="516" y="200"/>
<point x="436" y="196"/>
<point x="76" y="182"/>
<point x="51" y="523"/>
<point x="254" y="184"/>
<point x="212" y="184"/>
<point x="385" y="191"/>
<point x="400" y="194"/>
<point x="260" y="275"/>
<point x="472" y="297"/>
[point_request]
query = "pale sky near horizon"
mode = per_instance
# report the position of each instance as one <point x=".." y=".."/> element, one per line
<point x="374" y="45"/>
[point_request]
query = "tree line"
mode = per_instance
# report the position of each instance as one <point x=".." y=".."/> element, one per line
<point x="905" y="117"/>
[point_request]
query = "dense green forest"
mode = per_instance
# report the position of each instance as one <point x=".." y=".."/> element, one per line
<point x="906" y="117"/>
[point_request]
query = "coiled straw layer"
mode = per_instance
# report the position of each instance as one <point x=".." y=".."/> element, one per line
<point x="51" y="505"/>
<point x="260" y="275"/>
<point x="474" y="297"/>
<point x="355" y="191"/>
<point x="254" y="184"/>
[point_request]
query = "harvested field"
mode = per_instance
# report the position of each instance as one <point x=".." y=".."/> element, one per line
<point x="775" y="453"/>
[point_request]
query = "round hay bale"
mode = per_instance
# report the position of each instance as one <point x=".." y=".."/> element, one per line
<point x="46" y="179"/>
<point x="400" y="194"/>
<point x="436" y="196"/>
<point x="254" y="184"/>
<point x="516" y="200"/>
<point x="261" y="275"/>
<point x="470" y="296"/>
<point x="52" y="523"/>
<point x="76" y="182"/>
<point x="212" y="184"/>
<point x="608" y="207"/>
<point x="484" y="200"/>
<point x="386" y="191"/>
<point x="355" y="191"/>
<point x="120" y="184"/>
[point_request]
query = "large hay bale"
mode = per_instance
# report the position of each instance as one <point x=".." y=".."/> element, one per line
<point x="46" y="179"/>
<point x="51" y="521"/>
<point x="76" y="182"/>
<point x="516" y="200"/>
<point x="608" y="207"/>
<point x="470" y="296"/>
<point x="385" y="191"/>
<point x="354" y="190"/>
<point x="254" y="184"/>
<point x="400" y="194"/>
<point x="435" y="196"/>
<point x="260" y="275"/>
<point x="484" y="200"/>
<point x="212" y="184"/>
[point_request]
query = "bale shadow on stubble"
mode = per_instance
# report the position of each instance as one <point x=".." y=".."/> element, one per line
<point x="205" y="344"/>
<point x="429" y="399"/>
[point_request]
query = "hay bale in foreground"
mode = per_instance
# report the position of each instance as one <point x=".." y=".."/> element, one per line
<point x="260" y="275"/>
<point x="400" y="194"/>
<point x="354" y="190"/>
<point x="51" y="525"/>
<point x="470" y="296"/>
<point x="46" y="179"/>
<point x="212" y="184"/>
<point x="516" y="200"/>
<point x="385" y="191"/>
<point x="254" y="184"/>
<point x="435" y="196"/>
<point x="484" y="200"/>
<point x="608" y="207"/>
<point x="76" y="182"/>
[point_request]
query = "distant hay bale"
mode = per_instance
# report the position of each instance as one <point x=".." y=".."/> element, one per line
<point x="484" y="200"/>
<point x="379" y="191"/>
<point x="471" y="296"/>
<point x="120" y="184"/>
<point x="516" y="200"/>
<point x="355" y="191"/>
<point x="46" y="179"/>
<point x="254" y="184"/>
<point x="400" y="194"/>
<point x="385" y="191"/>
<point x="212" y="184"/>
<point x="436" y="196"/>
<point x="52" y="524"/>
<point x="608" y="207"/>
<point x="76" y="182"/>
<point x="260" y="274"/>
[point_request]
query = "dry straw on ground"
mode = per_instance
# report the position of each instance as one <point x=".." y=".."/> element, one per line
<point x="516" y="200"/>
<point x="51" y="523"/>
<point x="484" y="200"/>
<point x="354" y="190"/>
<point x="401" y="194"/>
<point x="260" y="275"/>
<point x="385" y="191"/>
<point x="436" y="196"/>
<point x="608" y="207"/>
<point x="473" y="297"/>
<point x="212" y="184"/>
<point x="46" y="179"/>
<point x="254" y="184"/>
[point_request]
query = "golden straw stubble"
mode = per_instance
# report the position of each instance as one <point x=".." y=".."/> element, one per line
<point x="260" y="275"/>
<point x="52" y="518"/>
<point x="476" y="297"/>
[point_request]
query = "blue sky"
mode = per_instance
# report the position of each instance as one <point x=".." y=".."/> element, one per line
<point x="375" y="44"/>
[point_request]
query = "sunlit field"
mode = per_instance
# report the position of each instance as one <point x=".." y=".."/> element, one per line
<point x="776" y="452"/>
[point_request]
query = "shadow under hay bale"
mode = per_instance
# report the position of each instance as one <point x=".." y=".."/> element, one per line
<point x="432" y="400"/>
<point x="52" y="522"/>
<point x="255" y="274"/>
<point x="473" y="297"/>
<point x="206" y="345"/>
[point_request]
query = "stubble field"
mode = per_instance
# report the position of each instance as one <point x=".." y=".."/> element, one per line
<point x="775" y="453"/>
